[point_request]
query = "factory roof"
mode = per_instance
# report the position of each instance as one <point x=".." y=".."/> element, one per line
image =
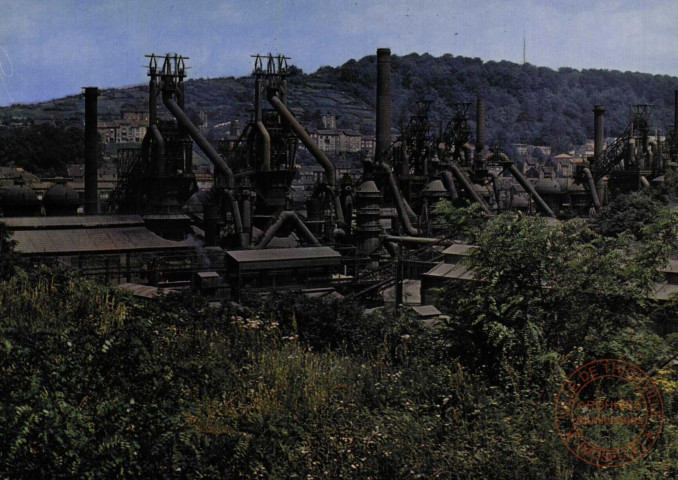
<point x="459" y="249"/>
<point x="450" y="271"/>
<point x="662" y="291"/>
<point x="284" y="257"/>
<point x="144" y="291"/>
<point x="91" y="240"/>
<point x="73" y="222"/>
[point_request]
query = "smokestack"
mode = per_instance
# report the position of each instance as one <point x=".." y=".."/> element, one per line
<point x="91" y="187"/>
<point x="675" y="115"/>
<point x="383" y="102"/>
<point x="598" y="130"/>
<point x="480" y="128"/>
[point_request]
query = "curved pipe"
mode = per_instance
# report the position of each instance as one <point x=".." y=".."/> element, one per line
<point x="467" y="152"/>
<point x="197" y="137"/>
<point x="312" y="147"/>
<point x="529" y="188"/>
<point x="287" y="216"/>
<point x="409" y="210"/>
<point x="592" y="188"/>
<point x="651" y="154"/>
<point x="495" y="187"/>
<point x="448" y="181"/>
<point x="400" y="204"/>
<point x="644" y="181"/>
<point x="266" y="143"/>
<point x="159" y="153"/>
<point x="468" y="186"/>
<point x="338" y="210"/>
<point x="237" y="221"/>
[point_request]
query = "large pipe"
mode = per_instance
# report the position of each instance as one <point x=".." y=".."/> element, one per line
<point x="383" y="103"/>
<point x="495" y="187"/>
<point x="91" y="175"/>
<point x="480" y="128"/>
<point x="197" y="137"/>
<point x="237" y="220"/>
<point x="448" y="181"/>
<point x="400" y="204"/>
<point x="468" y="186"/>
<point x="246" y="220"/>
<point x="153" y="132"/>
<point x="598" y="130"/>
<point x="644" y="181"/>
<point x="312" y="147"/>
<point x="265" y="137"/>
<point x="630" y="154"/>
<point x="651" y="155"/>
<point x="529" y="188"/>
<point x="675" y="116"/>
<point x="287" y="216"/>
<point x="592" y="188"/>
<point x="413" y="240"/>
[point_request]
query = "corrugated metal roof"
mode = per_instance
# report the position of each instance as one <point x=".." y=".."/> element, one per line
<point x="450" y="271"/>
<point x="80" y="221"/>
<point x="459" y="249"/>
<point x="662" y="291"/>
<point x="284" y="257"/>
<point x="426" y="310"/>
<point x="90" y="240"/>
<point x="144" y="291"/>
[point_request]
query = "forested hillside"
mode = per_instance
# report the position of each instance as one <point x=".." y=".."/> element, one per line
<point x="525" y="103"/>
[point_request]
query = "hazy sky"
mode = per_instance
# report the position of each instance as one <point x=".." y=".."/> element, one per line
<point x="51" y="49"/>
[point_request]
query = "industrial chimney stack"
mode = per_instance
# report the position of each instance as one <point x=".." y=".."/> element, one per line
<point x="383" y="102"/>
<point x="91" y="175"/>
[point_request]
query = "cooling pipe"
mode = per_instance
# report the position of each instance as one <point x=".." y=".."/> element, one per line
<point x="480" y="128"/>
<point x="592" y="188"/>
<point x="312" y="147"/>
<point x="630" y="154"/>
<point x="287" y="216"/>
<point x="529" y="188"/>
<point x="91" y="175"/>
<point x="400" y="203"/>
<point x="651" y="155"/>
<point x="598" y="131"/>
<point x="468" y="186"/>
<point x="237" y="220"/>
<point x="265" y="137"/>
<point x="383" y="103"/>
<point x="412" y="240"/>
<point x="448" y="181"/>
<point x="197" y="137"/>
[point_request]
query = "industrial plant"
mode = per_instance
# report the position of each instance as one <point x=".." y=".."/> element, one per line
<point x="376" y="238"/>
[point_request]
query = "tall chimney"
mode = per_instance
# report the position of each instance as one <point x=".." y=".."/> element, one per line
<point x="383" y="102"/>
<point x="91" y="187"/>
<point x="598" y="130"/>
<point x="675" y="115"/>
<point x="480" y="128"/>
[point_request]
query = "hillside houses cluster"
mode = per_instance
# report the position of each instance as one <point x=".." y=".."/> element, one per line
<point x="129" y="128"/>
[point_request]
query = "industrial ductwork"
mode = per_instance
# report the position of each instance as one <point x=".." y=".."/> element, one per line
<point x="598" y="131"/>
<point x="592" y="188"/>
<point x="399" y="201"/>
<point x="517" y="174"/>
<point x="468" y="186"/>
<point x="287" y="216"/>
<point x="319" y="155"/>
<point x="214" y="157"/>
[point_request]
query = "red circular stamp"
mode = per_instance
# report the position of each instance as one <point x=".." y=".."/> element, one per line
<point x="609" y="413"/>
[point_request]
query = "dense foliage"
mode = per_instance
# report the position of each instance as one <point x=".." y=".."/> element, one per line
<point x="44" y="150"/>
<point x="94" y="384"/>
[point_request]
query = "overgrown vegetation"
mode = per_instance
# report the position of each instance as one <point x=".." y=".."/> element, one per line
<point x="94" y="384"/>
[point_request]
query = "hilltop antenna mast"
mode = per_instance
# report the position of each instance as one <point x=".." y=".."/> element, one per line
<point x="524" y="49"/>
